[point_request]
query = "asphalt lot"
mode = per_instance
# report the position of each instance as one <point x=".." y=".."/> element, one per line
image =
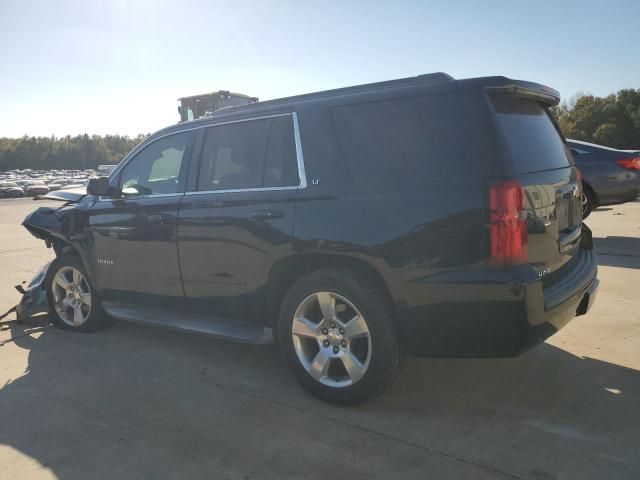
<point x="138" y="402"/>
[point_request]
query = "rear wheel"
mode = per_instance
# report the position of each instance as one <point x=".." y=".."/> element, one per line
<point x="73" y="304"/>
<point x="336" y="332"/>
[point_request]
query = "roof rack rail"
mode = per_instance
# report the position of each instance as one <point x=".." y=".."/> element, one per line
<point x="419" y="79"/>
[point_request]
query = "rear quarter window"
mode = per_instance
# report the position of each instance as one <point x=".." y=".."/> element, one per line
<point x="532" y="139"/>
<point x="409" y="139"/>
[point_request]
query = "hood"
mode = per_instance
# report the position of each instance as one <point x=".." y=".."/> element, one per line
<point x="73" y="195"/>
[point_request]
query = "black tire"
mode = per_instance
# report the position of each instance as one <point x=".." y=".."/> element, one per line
<point x="385" y="347"/>
<point x="588" y="200"/>
<point x="96" y="318"/>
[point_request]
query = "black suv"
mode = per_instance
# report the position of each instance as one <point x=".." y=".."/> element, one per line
<point x="426" y="214"/>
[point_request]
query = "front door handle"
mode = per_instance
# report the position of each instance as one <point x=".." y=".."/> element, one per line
<point x="158" y="219"/>
<point x="266" y="214"/>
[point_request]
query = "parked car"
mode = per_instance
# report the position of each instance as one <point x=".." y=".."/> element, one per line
<point x="36" y="189"/>
<point x="13" y="192"/>
<point x="428" y="214"/>
<point x="5" y="187"/>
<point x="58" y="183"/>
<point x="609" y="176"/>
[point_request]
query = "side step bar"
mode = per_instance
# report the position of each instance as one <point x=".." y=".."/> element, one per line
<point x="243" y="332"/>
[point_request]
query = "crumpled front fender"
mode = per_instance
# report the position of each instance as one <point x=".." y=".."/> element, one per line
<point x="34" y="296"/>
<point x="44" y="223"/>
<point x="60" y="228"/>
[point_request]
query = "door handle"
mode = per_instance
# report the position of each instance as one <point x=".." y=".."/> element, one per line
<point x="158" y="219"/>
<point x="266" y="214"/>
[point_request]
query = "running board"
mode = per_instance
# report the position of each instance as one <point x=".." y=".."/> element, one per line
<point x="236" y="331"/>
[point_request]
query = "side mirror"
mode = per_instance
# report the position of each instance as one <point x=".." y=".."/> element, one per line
<point x="99" y="186"/>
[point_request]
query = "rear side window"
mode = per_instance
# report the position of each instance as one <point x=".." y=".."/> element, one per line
<point x="408" y="139"/>
<point x="533" y="140"/>
<point x="249" y="154"/>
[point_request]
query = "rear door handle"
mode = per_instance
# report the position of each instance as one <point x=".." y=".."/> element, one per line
<point x="266" y="214"/>
<point x="158" y="219"/>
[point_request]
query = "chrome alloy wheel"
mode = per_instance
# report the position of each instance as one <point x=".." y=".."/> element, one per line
<point x="331" y="339"/>
<point x="71" y="296"/>
<point x="585" y="202"/>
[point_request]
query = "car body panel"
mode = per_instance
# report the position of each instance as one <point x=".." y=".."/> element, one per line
<point x="132" y="246"/>
<point x="227" y="251"/>
<point x="72" y="195"/>
<point x="611" y="183"/>
<point x="34" y="296"/>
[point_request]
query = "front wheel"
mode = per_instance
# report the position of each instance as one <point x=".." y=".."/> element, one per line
<point x="73" y="303"/>
<point x="337" y="334"/>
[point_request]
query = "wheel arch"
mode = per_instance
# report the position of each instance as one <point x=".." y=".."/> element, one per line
<point x="290" y="269"/>
<point x="65" y="247"/>
<point x="586" y="185"/>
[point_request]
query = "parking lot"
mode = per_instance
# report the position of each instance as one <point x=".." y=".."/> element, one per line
<point x="139" y="402"/>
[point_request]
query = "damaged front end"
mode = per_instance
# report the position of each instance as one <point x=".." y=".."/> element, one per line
<point x="34" y="296"/>
<point x="60" y="230"/>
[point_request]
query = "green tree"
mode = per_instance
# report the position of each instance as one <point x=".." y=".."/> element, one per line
<point x="78" y="152"/>
<point x="613" y="120"/>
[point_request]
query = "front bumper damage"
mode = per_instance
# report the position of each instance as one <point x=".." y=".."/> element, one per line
<point x="60" y="228"/>
<point x="34" y="296"/>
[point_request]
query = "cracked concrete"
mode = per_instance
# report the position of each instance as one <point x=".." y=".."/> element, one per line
<point x="139" y="402"/>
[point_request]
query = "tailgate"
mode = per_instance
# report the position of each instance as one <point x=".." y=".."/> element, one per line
<point x="539" y="159"/>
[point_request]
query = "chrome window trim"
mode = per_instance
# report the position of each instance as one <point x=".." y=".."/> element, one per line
<point x="242" y="190"/>
<point x="296" y="136"/>
<point x="136" y="197"/>
<point x="299" y="157"/>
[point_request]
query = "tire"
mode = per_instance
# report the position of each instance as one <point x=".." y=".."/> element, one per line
<point x="86" y="315"/>
<point x="588" y="201"/>
<point x="336" y="360"/>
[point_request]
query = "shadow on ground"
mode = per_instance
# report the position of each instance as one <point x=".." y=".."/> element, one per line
<point x="615" y="251"/>
<point x="138" y="402"/>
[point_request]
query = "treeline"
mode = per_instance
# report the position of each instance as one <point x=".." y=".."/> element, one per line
<point x="79" y="152"/>
<point x="613" y="121"/>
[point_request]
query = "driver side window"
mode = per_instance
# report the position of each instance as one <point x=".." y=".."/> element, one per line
<point x="156" y="168"/>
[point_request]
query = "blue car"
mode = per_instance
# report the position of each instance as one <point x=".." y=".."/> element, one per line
<point x="609" y="176"/>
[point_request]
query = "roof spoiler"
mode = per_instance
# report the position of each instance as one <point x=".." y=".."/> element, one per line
<point x="536" y="91"/>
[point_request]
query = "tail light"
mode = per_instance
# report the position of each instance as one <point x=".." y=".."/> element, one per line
<point x="632" y="163"/>
<point x="507" y="224"/>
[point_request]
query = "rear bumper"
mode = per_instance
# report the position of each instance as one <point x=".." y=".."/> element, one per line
<point x="551" y="308"/>
<point x="492" y="313"/>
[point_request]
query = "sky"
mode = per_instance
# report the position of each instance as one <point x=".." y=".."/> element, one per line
<point x="118" y="67"/>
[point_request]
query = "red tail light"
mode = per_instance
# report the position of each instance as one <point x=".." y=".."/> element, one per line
<point x="630" y="163"/>
<point x="508" y="224"/>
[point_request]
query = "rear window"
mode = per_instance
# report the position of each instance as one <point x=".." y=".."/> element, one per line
<point x="409" y="139"/>
<point x="533" y="140"/>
